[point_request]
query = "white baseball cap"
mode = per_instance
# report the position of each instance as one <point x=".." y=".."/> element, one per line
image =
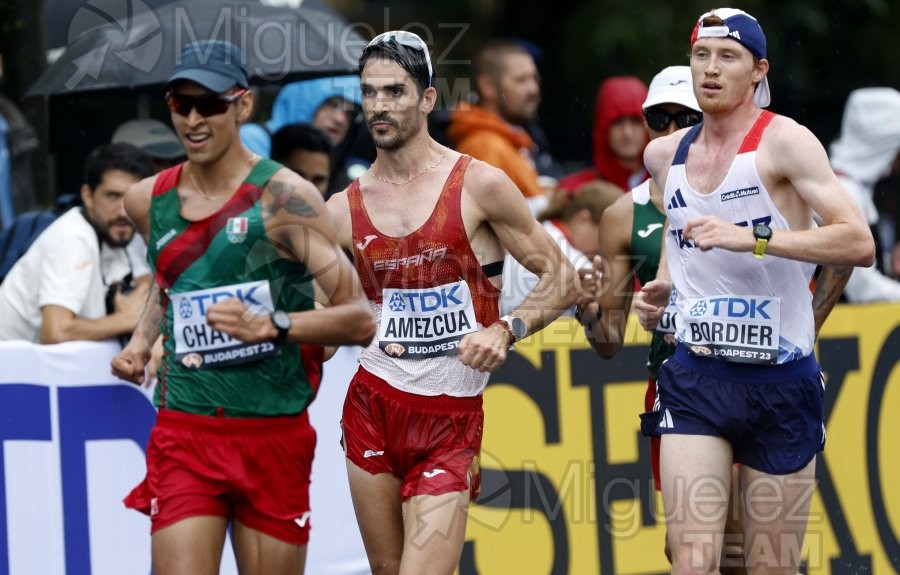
<point x="673" y="85"/>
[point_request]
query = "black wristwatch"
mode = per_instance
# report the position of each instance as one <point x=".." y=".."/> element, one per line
<point x="763" y="234"/>
<point x="588" y="321"/>
<point x="282" y="322"/>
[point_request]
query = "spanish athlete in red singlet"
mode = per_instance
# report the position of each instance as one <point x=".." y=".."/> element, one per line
<point x="428" y="227"/>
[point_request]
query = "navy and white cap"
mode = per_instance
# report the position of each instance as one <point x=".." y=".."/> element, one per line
<point x="214" y="64"/>
<point x="746" y="31"/>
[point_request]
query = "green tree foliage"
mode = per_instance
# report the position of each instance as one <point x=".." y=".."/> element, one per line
<point x="819" y="50"/>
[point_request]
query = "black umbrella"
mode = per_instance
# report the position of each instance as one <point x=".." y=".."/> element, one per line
<point x="66" y="20"/>
<point x="279" y="44"/>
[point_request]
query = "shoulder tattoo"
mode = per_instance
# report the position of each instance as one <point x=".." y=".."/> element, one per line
<point x="286" y="198"/>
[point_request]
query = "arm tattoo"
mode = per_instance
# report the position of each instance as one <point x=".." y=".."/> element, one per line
<point x="286" y="198"/>
<point x="829" y="287"/>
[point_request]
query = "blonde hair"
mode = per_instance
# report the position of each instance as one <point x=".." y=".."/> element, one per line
<point x="593" y="196"/>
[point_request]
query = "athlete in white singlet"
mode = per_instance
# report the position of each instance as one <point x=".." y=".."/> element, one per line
<point x="741" y="246"/>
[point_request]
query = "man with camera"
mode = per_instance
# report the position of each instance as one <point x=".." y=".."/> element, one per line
<point x="76" y="281"/>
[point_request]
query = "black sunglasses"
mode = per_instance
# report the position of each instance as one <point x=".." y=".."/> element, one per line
<point x="659" y="121"/>
<point x="206" y="105"/>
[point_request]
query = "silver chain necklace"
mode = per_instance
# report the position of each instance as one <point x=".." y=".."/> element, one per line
<point x="412" y="177"/>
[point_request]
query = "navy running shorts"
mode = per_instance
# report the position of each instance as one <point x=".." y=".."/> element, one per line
<point x="772" y="415"/>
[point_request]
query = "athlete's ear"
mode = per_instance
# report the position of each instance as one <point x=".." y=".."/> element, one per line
<point x="245" y="106"/>
<point x="429" y="99"/>
<point x="87" y="197"/>
<point x="486" y="88"/>
<point x="760" y="71"/>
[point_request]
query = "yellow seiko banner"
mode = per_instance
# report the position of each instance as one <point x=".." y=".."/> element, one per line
<point x="566" y="483"/>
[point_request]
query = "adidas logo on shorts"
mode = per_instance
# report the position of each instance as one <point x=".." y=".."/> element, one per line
<point x="666" y="420"/>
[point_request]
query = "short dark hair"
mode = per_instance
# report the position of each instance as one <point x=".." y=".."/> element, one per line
<point x="410" y="59"/>
<point x="298" y="137"/>
<point x="118" y="156"/>
<point x="490" y="59"/>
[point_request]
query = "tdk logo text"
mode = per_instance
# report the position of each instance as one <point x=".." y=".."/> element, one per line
<point x="734" y="307"/>
<point x="425" y="301"/>
<point x="683" y="242"/>
<point x="247" y="297"/>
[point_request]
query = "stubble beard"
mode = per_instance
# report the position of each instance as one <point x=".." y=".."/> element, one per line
<point x="118" y="241"/>
<point x="521" y="117"/>
<point x="405" y="130"/>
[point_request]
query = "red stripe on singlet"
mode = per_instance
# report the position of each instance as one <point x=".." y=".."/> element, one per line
<point x="193" y="242"/>
<point x="163" y="382"/>
<point x="751" y="140"/>
<point x="167" y="179"/>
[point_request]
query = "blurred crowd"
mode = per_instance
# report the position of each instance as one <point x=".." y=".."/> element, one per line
<point x="77" y="271"/>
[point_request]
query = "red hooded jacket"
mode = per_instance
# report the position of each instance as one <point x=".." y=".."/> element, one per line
<point x="616" y="98"/>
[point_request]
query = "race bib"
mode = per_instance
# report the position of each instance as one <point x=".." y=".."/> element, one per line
<point x="429" y="322"/>
<point x="740" y="329"/>
<point x="198" y="346"/>
<point x="668" y="323"/>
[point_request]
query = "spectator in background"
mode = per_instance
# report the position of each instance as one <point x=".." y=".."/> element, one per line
<point x="548" y="168"/>
<point x="159" y="142"/>
<point x="573" y="221"/>
<point x="18" y="142"/>
<point x="895" y="262"/>
<point x="508" y="87"/>
<point x="631" y="243"/>
<point x="58" y="290"/>
<point x="306" y="150"/>
<point x="866" y="152"/>
<point x="887" y="200"/>
<point x="155" y="138"/>
<point x="619" y="136"/>
<point x="331" y="105"/>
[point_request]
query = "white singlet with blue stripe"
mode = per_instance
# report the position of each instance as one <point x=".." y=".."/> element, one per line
<point x="738" y="307"/>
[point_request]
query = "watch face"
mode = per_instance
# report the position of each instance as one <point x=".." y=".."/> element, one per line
<point x="281" y="320"/>
<point x="518" y="327"/>
<point x="762" y="232"/>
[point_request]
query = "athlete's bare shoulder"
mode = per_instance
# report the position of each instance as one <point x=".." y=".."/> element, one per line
<point x="788" y="150"/>
<point x="141" y="191"/>
<point x="491" y="194"/>
<point x="784" y="138"/>
<point x="338" y="203"/>
<point x="338" y="207"/>
<point x="137" y="202"/>
<point x="484" y="181"/>
<point x="660" y="151"/>
<point x="295" y="214"/>
<point x="618" y="216"/>
<point x="615" y="227"/>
